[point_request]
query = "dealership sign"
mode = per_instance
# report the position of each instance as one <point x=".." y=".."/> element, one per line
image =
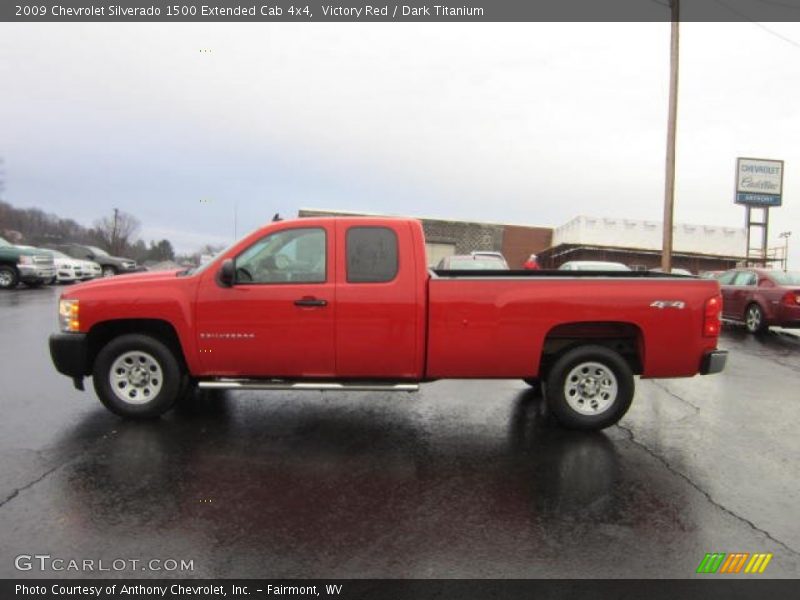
<point x="759" y="182"/>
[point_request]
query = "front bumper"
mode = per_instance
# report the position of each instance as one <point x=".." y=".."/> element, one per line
<point x="714" y="362"/>
<point x="28" y="273"/>
<point x="67" y="275"/>
<point x="70" y="354"/>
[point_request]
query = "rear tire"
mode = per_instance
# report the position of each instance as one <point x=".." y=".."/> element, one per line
<point x="9" y="278"/>
<point x="138" y="377"/>
<point x="589" y="387"/>
<point x="754" y="318"/>
<point x="109" y="271"/>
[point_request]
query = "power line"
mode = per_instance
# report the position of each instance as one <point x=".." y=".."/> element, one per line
<point x="761" y="25"/>
<point x="778" y="3"/>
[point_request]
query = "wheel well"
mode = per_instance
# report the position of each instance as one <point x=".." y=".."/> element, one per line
<point x="624" y="338"/>
<point x="102" y="333"/>
<point x="751" y="303"/>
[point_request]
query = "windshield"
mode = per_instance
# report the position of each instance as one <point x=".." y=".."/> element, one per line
<point x="4" y="244"/>
<point x="786" y="277"/>
<point x="97" y="251"/>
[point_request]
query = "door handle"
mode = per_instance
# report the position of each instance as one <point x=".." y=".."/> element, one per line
<point x="310" y="301"/>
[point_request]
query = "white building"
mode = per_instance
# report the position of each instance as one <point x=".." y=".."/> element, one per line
<point x="647" y="235"/>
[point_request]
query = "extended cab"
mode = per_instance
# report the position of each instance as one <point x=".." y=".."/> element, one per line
<point x="28" y="265"/>
<point x="348" y="303"/>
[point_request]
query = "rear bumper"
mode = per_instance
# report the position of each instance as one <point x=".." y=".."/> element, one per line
<point x="714" y="362"/>
<point x="70" y="355"/>
<point x="787" y="316"/>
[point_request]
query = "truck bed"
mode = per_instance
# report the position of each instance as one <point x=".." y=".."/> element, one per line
<point x="499" y="323"/>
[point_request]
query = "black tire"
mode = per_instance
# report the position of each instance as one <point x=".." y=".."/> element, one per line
<point x="589" y="387"/>
<point x="9" y="278"/>
<point x="754" y="318"/>
<point x="35" y="284"/>
<point x="153" y="378"/>
<point x="108" y="271"/>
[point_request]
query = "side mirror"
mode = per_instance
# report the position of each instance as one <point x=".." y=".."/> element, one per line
<point x="227" y="272"/>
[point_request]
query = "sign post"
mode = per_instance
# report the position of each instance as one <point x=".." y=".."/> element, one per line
<point x="759" y="185"/>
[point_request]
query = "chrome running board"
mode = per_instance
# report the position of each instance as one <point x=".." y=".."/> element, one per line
<point x="257" y="384"/>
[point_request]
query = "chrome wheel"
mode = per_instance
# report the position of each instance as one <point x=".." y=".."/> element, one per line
<point x="753" y="318"/>
<point x="136" y="377"/>
<point x="590" y="388"/>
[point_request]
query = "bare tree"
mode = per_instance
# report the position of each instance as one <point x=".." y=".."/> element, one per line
<point x="116" y="233"/>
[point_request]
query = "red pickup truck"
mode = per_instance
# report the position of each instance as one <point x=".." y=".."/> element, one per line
<point x="350" y="304"/>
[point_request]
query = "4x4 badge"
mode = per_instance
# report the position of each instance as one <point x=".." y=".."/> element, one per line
<point x="679" y="304"/>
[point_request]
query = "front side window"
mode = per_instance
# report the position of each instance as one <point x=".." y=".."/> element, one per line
<point x="288" y="256"/>
<point x="371" y="254"/>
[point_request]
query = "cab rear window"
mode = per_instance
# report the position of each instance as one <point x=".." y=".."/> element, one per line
<point x="371" y="254"/>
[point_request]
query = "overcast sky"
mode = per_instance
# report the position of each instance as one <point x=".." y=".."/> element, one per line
<point x="522" y="123"/>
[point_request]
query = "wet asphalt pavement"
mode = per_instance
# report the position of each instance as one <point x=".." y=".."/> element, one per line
<point x="464" y="479"/>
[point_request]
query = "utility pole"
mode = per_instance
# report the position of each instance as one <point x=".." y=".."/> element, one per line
<point x="114" y="248"/>
<point x="669" y="185"/>
<point x="785" y="235"/>
<point x="2" y="179"/>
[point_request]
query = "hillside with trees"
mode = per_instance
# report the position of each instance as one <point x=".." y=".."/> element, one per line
<point x="116" y="233"/>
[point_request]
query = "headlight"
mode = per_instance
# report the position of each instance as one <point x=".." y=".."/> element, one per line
<point x="68" y="315"/>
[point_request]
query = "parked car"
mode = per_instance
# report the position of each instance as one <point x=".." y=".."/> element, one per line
<point x="110" y="265"/>
<point x="464" y="262"/>
<point x="674" y="271"/>
<point x="68" y="269"/>
<point x="711" y="274"/>
<point x="350" y="304"/>
<point x="90" y="269"/>
<point x="760" y="298"/>
<point x="592" y="265"/>
<point x="30" y="266"/>
<point x="497" y="255"/>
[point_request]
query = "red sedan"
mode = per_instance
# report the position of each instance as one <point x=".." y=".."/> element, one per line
<point x="760" y="298"/>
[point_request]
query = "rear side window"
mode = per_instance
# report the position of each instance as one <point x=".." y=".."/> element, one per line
<point x="727" y="278"/>
<point x="371" y="254"/>
<point x="745" y="278"/>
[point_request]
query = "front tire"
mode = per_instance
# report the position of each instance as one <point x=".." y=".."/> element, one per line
<point x="109" y="271"/>
<point x="754" y="319"/>
<point x="137" y="376"/>
<point x="9" y="278"/>
<point x="590" y="388"/>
